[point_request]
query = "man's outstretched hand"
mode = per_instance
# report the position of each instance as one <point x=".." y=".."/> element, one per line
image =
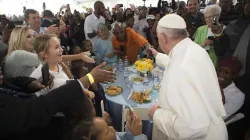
<point x="103" y="76"/>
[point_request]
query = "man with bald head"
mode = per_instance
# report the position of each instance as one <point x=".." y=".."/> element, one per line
<point x="126" y="42"/>
<point x="190" y="103"/>
<point x="92" y="21"/>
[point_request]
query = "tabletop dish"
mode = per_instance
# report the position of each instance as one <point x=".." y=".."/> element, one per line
<point x="141" y="97"/>
<point x="113" y="90"/>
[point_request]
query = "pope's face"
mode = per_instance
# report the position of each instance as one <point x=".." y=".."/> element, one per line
<point x="162" y="42"/>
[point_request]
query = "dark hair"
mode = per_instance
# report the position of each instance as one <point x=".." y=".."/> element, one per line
<point x="27" y="12"/>
<point x="97" y="3"/>
<point x="129" y="16"/>
<point x="82" y="46"/>
<point x="71" y="51"/>
<point x="197" y="1"/>
<point x="78" y="67"/>
<point x="124" y="14"/>
<point x="80" y="119"/>
<point x="82" y="130"/>
<point x="154" y="9"/>
<point x="48" y="13"/>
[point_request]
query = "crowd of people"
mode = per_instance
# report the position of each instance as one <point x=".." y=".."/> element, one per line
<point x="52" y="66"/>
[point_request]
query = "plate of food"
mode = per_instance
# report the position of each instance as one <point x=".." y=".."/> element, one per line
<point x="108" y="68"/>
<point x="136" y="79"/>
<point x="141" y="97"/>
<point x="113" y="90"/>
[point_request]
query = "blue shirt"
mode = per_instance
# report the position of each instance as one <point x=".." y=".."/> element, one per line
<point x="104" y="47"/>
<point x="129" y="136"/>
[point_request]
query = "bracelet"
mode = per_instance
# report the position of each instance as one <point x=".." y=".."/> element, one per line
<point x="218" y="35"/>
<point x="91" y="79"/>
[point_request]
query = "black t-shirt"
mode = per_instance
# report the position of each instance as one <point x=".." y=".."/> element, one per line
<point x="194" y="22"/>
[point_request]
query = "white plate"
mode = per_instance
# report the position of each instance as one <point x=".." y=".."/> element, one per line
<point x="132" y="76"/>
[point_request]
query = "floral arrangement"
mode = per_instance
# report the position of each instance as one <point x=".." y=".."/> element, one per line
<point x="144" y="65"/>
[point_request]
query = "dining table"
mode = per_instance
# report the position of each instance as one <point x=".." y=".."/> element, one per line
<point x="116" y="103"/>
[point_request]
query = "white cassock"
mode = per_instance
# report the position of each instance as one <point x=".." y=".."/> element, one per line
<point x="190" y="98"/>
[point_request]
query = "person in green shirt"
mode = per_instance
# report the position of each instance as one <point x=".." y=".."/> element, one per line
<point x="206" y="34"/>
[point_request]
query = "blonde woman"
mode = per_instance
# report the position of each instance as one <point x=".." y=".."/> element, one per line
<point x="21" y="59"/>
<point x="104" y="48"/>
<point x="49" y="51"/>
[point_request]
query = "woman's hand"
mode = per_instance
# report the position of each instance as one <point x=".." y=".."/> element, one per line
<point x="100" y="75"/>
<point x="87" y="53"/>
<point x="85" y="58"/>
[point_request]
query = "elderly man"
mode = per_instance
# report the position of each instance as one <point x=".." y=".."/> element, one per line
<point x="190" y="103"/>
<point x="127" y="42"/>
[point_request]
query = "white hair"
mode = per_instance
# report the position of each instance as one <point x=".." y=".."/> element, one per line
<point x="214" y="9"/>
<point x="173" y="33"/>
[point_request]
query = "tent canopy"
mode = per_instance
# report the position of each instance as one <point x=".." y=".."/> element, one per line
<point x="16" y="6"/>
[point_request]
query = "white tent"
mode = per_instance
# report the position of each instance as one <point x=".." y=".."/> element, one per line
<point x="12" y="7"/>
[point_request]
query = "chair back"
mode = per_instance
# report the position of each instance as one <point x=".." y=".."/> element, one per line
<point x="142" y="112"/>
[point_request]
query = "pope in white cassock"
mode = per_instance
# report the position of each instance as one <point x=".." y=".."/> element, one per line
<point x="190" y="104"/>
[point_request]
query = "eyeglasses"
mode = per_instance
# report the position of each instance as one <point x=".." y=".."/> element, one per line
<point x="211" y="16"/>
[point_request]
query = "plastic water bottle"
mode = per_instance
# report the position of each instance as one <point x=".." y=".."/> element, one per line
<point x="114" y="68"/>
<point x="126" y="61"/>
<point x="120" y="65"/>
<point x="145" y="81"/>
<point x="126" y="74"/>
<point x="156" y="82"/>
<point x="138" y="57"/>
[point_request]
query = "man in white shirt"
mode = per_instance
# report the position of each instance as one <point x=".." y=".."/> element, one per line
<point x="190" y="104"/>
<point x="141" y="24"/>
<point x="229" y="69"/>
<point x="92" y="21"/>
<point x="33" y="19"/>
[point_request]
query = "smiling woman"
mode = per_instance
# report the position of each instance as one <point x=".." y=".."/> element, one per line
<point x="21" y="60"/>
<point x="48" y="49"/>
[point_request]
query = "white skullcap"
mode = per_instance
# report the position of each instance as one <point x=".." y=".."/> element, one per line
<point x="150" y="17"/>
<point x="172" y="21"/>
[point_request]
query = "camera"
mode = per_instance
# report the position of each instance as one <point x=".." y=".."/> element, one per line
<point x="119" y="5"/>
